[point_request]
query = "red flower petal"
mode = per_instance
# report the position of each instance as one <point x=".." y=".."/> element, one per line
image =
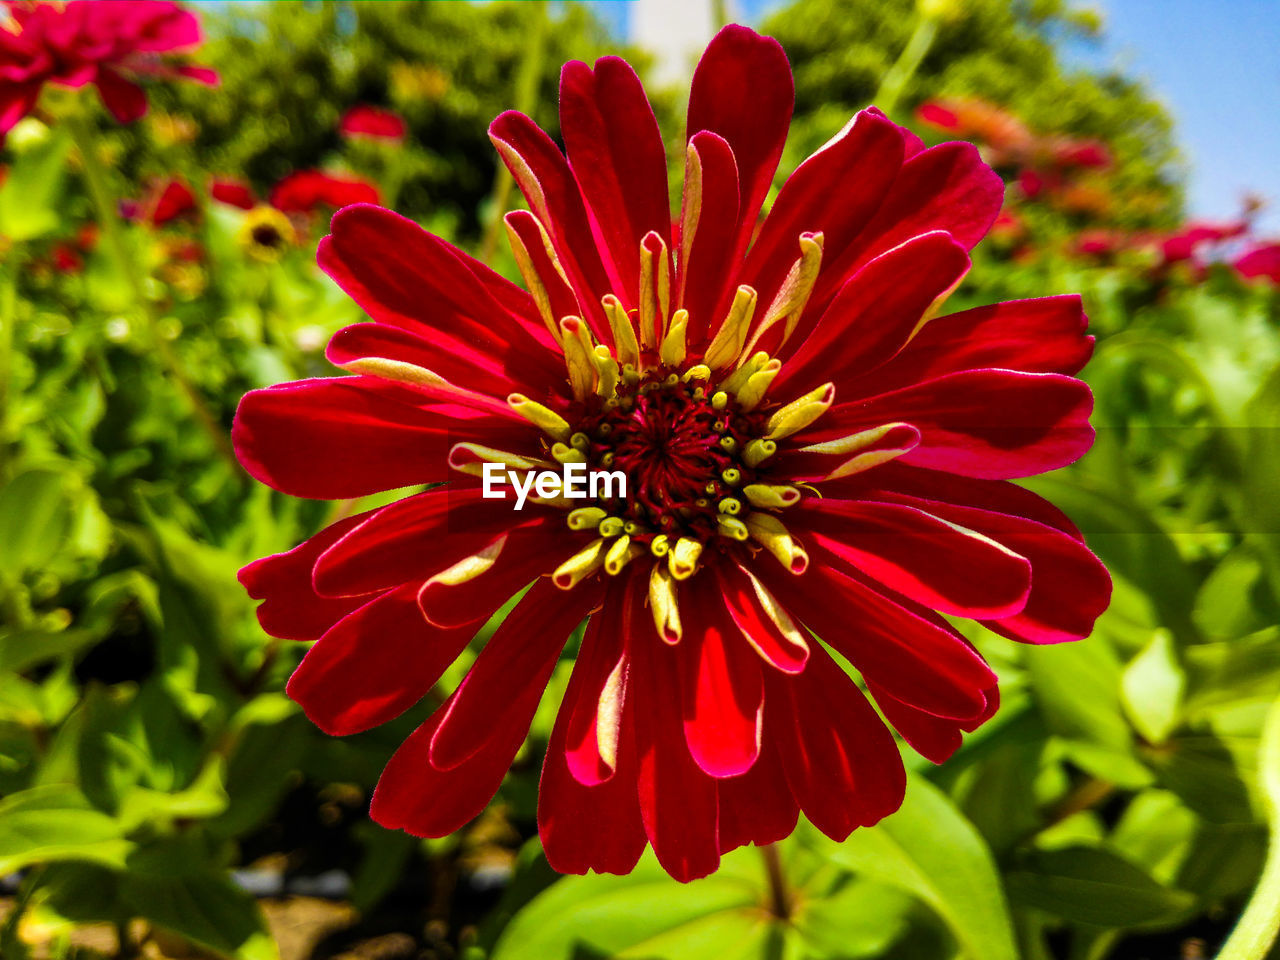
<point x="783" y="650"/>
<point x="758" y="806"/>
<point x="721" y="686"/>
<point x="124" y="99"/>
<point x="841" y="762"/>
<point x="743" y="91"/>
<point x="919" y="555"/>
<point x="291" y="608"/>
<point x="615" y="150"/>
<point x="993" y="424"/>
<point x="374" y="664"/>
<point x="503" y="687"/>
<point x="343" y="437"/>
<point x="709" y="232"/>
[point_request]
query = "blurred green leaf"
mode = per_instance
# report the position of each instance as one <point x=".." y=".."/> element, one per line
<point x="1151" y="686"/>
<point x="52" y="823"/>
<point x="929" y="850"/>
<point x="30" y="194"/>
<point x="1094" y="886"/>
<point x="207" y="909"/>
<point x="35" y="515"/>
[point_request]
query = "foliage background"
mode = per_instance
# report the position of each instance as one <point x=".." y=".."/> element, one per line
<point x="154" y="777"/>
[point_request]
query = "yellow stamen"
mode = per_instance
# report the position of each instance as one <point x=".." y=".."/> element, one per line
<point x="683" y="558"/>
<point x="771" y="496"/>
<point x="581" y="565"/>
<point x="738" y="379"/>
<point x="799" y="413"/>
<point x="700" y="372"/>
<point x="620" y="554"/>
<point x="732" y="527"/>
<point x="611" y="526"/>
<point x="655" y="289"/>
<point x="726" y="345"/>
<point x="673" y="346"/>
<point x="719" y="400"/>
<point x="753" y="391"/>
<point x="730" y="505"/>
<point x="770" y="533"/>
<point x="663" y="603"/>
<point x="567" y="454"/>
<point x="578" y="356"/>
<point x="606" y="371"/>
<point x="794" y="292"/>
<point x="544" y="418"/>
<point x="660" y="545"/>
<point x="585" y="518"/>
<point x="690" y="213"/>
<point x="731" y="476"/>
<point x="758" y="451"/>
<point x="624" y="331"/>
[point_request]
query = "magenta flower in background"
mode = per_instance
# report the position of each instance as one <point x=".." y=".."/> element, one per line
<point x="372" y="123"/>
<point x="1261" y="261"/>
<point x="109" y="43"/>
<point x="306" y="190"/>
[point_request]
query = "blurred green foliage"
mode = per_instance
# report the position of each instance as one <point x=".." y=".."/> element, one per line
<point x="1116" y="805"/>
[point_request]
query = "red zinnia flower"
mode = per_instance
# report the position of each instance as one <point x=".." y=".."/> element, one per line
<point x="233" y="192"/>
<point x="801" y="452"/>
<point x="109" y="43"/>
<point x="305" y="190"/>
<point x="167" y="201"/>
<point x="373" y="123"/>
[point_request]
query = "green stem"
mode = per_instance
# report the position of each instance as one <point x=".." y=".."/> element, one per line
<point x="779" y="895"/>
<point x="113" y="237"/>
<point x="1256" y="932"/>
<point x="899" y="75"/>
<point x="8" y="316"/>
<point x="525" y="100"/>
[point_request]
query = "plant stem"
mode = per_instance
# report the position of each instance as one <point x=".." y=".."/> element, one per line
<point x="779" y="895"/>
<point x="1256" y="932"/>
<point x="109" y="224"/>
<point x="8" y="316"/>
<point x="526" y="99"/>
<point x="899" y="75"/>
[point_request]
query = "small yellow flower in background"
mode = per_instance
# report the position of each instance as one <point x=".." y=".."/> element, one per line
<point x="266" y="233"/>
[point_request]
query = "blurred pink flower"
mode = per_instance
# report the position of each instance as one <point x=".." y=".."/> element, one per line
<point x="109" y="43"/>
<point x="1261" y="261"/>
<point x="233" y="192"/>
<point x="372" y="123"/>
<point x="305" y="190"/>
<point x="1197" y="234"/>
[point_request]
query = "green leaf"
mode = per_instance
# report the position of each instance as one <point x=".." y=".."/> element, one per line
<point x="207" y="909"/>
<point x="1152" y="687"/>
<point x="622" y="916"/>
<point x="929" y="850"/>
<point x="1094" y="886"/>
<point x="50" y="823"/>
<point x="28" y="199"/>
<point x="20" y="651"/>
<point x="35" y="515"/>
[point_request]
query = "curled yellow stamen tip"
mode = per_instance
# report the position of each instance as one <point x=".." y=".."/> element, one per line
<point x="700" y="372"/>
<point x="579" y="356"/>
<point x="660" y="545"/>
<point x="732" y="527"/>
<point x="611" y="526"/>
<point x="793" y="295"/>
<point x="719" y="400"/>
<point x="663" y="604"/>
<point x="579" y="441"/>
<point x="771" y="496"/>
<point x="672" y="351"/>
<point x="757" y="385"/>
<point x="607" y="459"/>
<point x="731" y="476"/>
<point x="624" y="332"/>
<point x="738" y="379"/>
<point x="567" y="454"/>
<point x="544" y="418"/>
<point x="606" y="371"/>
<point x="758" y="451"/>
<point x="727" y="344"/>
<point x="728" y="444"/>
<point x="730" y="506"/>
<point x="770" y="533"/>
<point x="581" y="565"/>
<point x="585" y="518"/>
<point x="620" y="553"/>
<point x="799" y="413"/>
<point x="632" y="528"/>
<point x="683" y="558"/>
